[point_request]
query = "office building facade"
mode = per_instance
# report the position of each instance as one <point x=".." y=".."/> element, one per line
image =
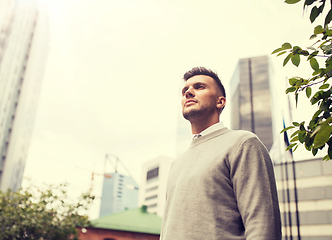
<point x="119" y="193"/>
<point x="23" y="52"/>
<point x="313" y="184"/>
<point x="251" y="98"/>
<point x="153" y="184"/>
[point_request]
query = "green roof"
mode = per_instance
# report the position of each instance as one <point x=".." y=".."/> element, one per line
<point x="133" y="220"/>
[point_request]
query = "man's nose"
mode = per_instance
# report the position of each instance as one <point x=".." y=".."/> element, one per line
<point x="189" y="93"/>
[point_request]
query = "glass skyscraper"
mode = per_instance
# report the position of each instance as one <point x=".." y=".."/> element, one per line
<point x="119" y="193"/>
<point x="251" y="98"/>
<point x="23" y="52"/>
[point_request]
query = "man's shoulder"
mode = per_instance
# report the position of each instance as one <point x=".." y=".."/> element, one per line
<point x="242" y="134"/>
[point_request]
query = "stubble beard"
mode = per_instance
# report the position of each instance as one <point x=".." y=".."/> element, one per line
<point x="196" y="114"/>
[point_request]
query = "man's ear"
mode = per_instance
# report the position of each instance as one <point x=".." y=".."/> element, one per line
<point x="221" y="102"/>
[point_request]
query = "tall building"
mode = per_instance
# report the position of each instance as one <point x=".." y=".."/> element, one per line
<point x="153" y="184"/>
<point x="314" y="198"/>
<point x="23" y="52"/>
<point x="118" y="194"/>
<point x="251" y="98"/>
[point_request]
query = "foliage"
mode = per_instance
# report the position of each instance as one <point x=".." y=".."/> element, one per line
<point x="317" y="134"/>
<point x="41" y="214"/>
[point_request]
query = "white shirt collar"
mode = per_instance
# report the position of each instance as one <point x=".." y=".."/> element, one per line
<point x="210" y="129"/>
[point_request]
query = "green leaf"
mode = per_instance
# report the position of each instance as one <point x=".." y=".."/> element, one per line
<point x="326" y="157"/>
<point x="292" y="1"/>
<point x="314" y="100"/>
<point x="290" y="146"/>
<point x="296" y="60"/>
<point x="286" y="45"/>
<point x="295" y="133"/>
<point x="294" y="149"/>
<point x="281" y="53"/>
<point x="315" y="73"/>
<point x="296" y="124"/>
<point x="313" y="54"/>
<point x="309" y="2"/>
<point x="302" y="135"/>
<point x="328" y="18"/>
<point x="314" y="14"/>
<point x="328" y="32"/>
<point x="296" y="50"/>
<point x="317" y="113"/>
<point x="314" y="151"/>
<point x="308" y="92"/>
<point x="293" y="81"/>
<point x="324" y="86"/>
<point x="312" y="37"/>
<point x="318" y="29"/>
<point x="323" y="135"/>
<point x="294" y="139"/>
<point x="277" y="50"/>
<point x="304" y="52"/>
<point x="296" y="99"/>
<point x="290" y="89"/>
<point x="286" y="129"/>
<point x="329" y="152"/>
<point x="314" y="64"/>
<point x="308" y="141"/>
<point x="287" y="59"/>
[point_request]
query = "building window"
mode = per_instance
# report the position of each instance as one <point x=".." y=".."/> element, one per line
<point x="151" y="189"/>
<point x="152" y="205"/>
<point x="152" y="173"/>
<point x="152" y="197"/>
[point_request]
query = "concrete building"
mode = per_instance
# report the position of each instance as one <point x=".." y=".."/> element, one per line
<point x="23" y="52"/>
<point x="153" y="184"/>
<point x="251" y="109"/>
<point x="314" y="195"/>
<point x="250" y="98"/>
<point x="118" y="194"/>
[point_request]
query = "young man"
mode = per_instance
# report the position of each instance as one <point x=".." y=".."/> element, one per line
<point x="223" y="186"/>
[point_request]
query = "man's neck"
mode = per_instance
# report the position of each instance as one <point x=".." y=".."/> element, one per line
<point x="198" y="127"/>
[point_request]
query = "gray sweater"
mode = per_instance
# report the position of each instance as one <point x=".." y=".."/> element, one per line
<point x="222" y="187"/>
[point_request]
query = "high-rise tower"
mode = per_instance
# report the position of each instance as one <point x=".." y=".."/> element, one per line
<point x="23" y="50"/>
<point x="251" y="98"/>
<point x="119" y="193"/>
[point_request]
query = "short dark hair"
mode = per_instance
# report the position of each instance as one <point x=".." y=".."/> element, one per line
<point x="207" y="72"/>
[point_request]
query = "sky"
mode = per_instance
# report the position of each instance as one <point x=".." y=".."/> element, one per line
<point x="114" y="71"/>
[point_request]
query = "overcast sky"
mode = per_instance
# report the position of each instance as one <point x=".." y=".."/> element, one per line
<point x="113" y="75"/>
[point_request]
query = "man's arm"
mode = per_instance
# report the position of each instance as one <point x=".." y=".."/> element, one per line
<point x="255" y="191"/>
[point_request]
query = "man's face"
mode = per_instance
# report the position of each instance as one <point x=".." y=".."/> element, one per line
<point x="200" y="98"/>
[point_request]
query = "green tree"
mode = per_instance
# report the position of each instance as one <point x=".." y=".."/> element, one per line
<point x="316" y="135"/>
<point x="42" y="214"/>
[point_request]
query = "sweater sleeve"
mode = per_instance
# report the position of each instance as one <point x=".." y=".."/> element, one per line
<point x="254" y="186"/>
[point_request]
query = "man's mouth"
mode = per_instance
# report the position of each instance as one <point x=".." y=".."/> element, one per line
<point x="189" y="102"/>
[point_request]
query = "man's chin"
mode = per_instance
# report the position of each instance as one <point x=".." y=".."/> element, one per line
<point x="191" y="114"/>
